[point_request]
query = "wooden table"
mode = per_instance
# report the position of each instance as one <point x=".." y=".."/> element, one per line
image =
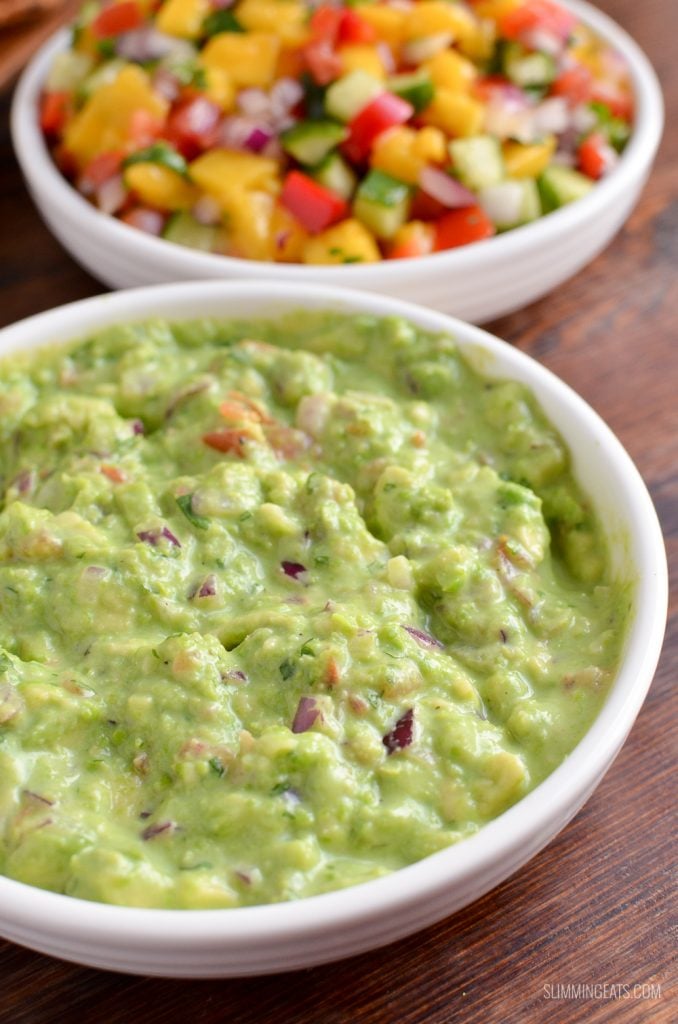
<point x="594" y="908"/>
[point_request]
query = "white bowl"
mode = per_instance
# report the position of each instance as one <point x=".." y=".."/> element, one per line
<point x="478" y="282"/>
<point x="256" y="940"/>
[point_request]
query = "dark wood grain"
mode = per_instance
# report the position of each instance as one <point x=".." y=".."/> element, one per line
<point x="594" y="908"/>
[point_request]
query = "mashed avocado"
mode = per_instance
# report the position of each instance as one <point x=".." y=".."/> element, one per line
<point x="284" y="606"/>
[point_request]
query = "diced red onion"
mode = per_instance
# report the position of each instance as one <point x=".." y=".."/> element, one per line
<point x="24" y="481"/>
<point x="552" y="116"/>
<point x="285" y="95"/>
<point x="111" y="195"/>
<point x="209" y="587"/>
<point x="207" y="211"/>
<point x="138" y="427"/>
<point x="544" y="41"/>
<point x="445" y="189"/>
<point x="95" y="570"/>
<point x="235" y="132"/>
<point x="166" y="84"/>
<point x="293" y="569"/>
<point x="423" y="638"/>
<point x="153" y="536"/>
<point x="254" y="102"/>
<point x="306" y="715"/>
<point x="402" y="733"/>
<point x="258" y="138"/>
<point x="151" y="831"/>
<point x="38" y="798"/>
<point x="387" y="59"/>
<point x="583" y="119"/>
<point x="147" y="43"/>
<point x="235" y="674"/>
<point x="145" y="219"/>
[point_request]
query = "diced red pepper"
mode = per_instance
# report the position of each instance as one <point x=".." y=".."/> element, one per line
<point x="383" y="112"/>
<point x="595" y="156"/>
<point x="54" y="108"/>
<point x="541" y="15"/>
<point x="325" y="23"/>
<point x="144" y="128"/>
<point x="314" y="206"/>
<point x="460" y="227"/>
<point x="230" y="441"/>
<point x="354" y="29"/>
<point x="193" y="126"/>
<point x="116" y="19"/>
<point x="321" y="60"/>
<point x="574" y="85"/>
<point x="102" y="167"/>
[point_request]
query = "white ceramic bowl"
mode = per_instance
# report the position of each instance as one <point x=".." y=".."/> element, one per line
<point x="477" y="282"/>
<point x="224" y="943"/>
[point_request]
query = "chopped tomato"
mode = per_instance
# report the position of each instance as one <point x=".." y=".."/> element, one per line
<point x="595" y="156"/>
<point x="383" y="112"/>
<point x="459" y="227"/>
<point x="574" y="85"/>
<point x="538" y="15"/>
<point x="314" y="206"/>
<point x="193" y="126"/>
<point x="425" y="207"/>
<point x="323" y="63"/>
<point x="116" y="19"/>
<point x="354" y="29"/>
<point x="326" y="22"/>
<point x="54" y="108"/>
<point x="114" y="473"/>
<point x="144" y="128"/>
<point x="102" y="167"/>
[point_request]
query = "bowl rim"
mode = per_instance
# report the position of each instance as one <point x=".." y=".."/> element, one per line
<point x="246" y="928"/>
<point x="45" y="179"/>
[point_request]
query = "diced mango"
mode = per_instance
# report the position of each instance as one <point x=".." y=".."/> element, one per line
<point x="289" y="237"/>
<point x="528" y="161"/>
<point x="449" y="70"/>
<point x="104" y="123"/>
<point x="403" y="152"/>
<point x="346" y="242"/>
<point x="219" y="88"/>
<point x="362" y="58"/>
<point x="248" y="221"/>
<point x="160" y="187"/>
<point x="480" y="44"/>
<point x="182" y="18"/>
<point x="416" y="233"/>
<point x="433" y="17"/>
<point x="283" y="18"/>
<point x="249" y="59"/>
<point x="497" y="9"/>
<point x="225" y="174"/>
<point x="388" y="22"/>
<point x="457" y="114"/>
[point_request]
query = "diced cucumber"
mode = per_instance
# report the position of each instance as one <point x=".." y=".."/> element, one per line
<point x="159" y="153"/>
<point x="183" y="229"/>
<point x="334" y="173"/>
<point x="511" y="202"/>
<point x="382" y="203"/>
<point x="561" y="185"/>
<point x="314" y="98"/>
<point x="69" y="68"/>
<point x="477" y="161"/>
<point x="616" y="130"/>
<point x="528" y="70"/>
<point x="309" y="142"/>
<point x="349" y="94"/>
<point x="417" y="88"/>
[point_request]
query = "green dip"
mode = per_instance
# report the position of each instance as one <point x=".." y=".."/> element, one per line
<point x="284" y="606"/>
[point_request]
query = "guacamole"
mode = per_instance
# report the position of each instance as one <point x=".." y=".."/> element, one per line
<point x="284" y="606"/>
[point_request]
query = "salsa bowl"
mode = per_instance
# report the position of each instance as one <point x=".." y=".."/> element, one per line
<point x="477" y="282"/>
<point x="323" y="928"/>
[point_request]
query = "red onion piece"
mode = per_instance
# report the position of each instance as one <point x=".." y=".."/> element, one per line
<point x="95" y="570"/>
<point x="152" y="537"/>
<point x="24" y="481"/>
<point x="138" y="427"/>
<point x="285" y="95"/>
<point x="235" y="132"/>
<point x="446" y="190"/>
<point x="402" y="733"/>
<point x="293" y="569"/>
<point x="145" y="219"/>
<point x="209" y="587"/>
<point x="207" y="211"/>
<point x="234" y="675"/>
<point x="258" y="138"/>
<point x="421" y="637"/>
<point x="166" y="84"/>
<point x="306" y="715"/>
<point x="111" y="195"/>
<point x="254" y="102"/>
<point x="151" y="831"/>
<point x="147" y="43"/>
